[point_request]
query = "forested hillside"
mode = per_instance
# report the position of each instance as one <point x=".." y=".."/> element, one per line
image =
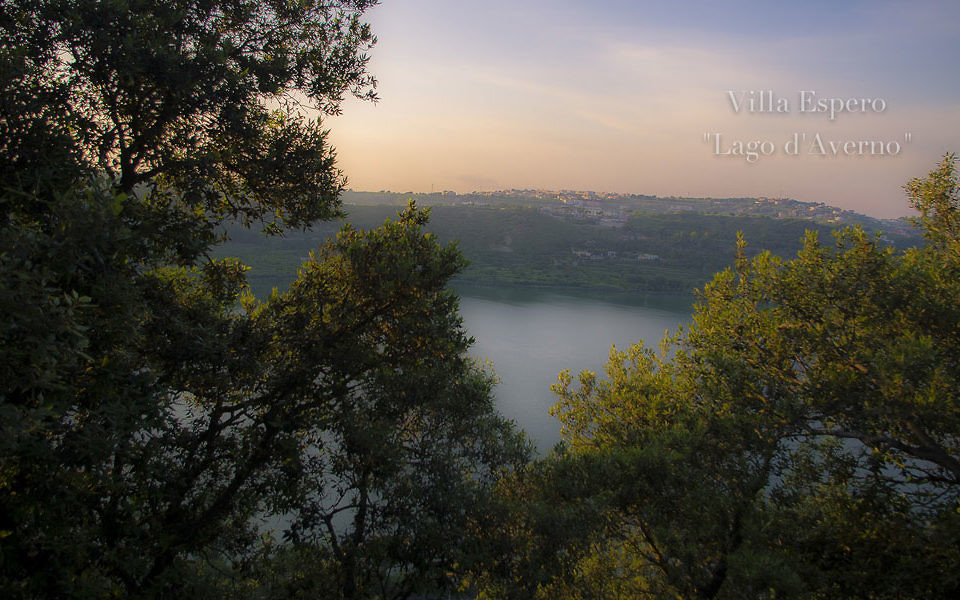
<point x="516" y="245"/>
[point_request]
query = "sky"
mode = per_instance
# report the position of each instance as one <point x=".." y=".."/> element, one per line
<point x="654" y="98"/>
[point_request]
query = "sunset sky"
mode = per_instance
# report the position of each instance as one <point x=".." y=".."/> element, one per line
<point x="614" y="95"/>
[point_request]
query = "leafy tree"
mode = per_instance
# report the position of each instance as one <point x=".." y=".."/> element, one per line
<point x="157" y="421"/>
<point x="798" y="439"/>
<point x="404" y="440"/>
<point x="191" y="103"/>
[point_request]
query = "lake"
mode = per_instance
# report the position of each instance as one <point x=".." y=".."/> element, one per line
<point x="532" y="335"/>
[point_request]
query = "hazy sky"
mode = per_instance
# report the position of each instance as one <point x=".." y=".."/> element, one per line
<point x="626" y="96"/>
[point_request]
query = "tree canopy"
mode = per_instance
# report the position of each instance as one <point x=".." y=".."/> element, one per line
<point x="195" y="104"/>
<point x="164" y="433"/>
<point x="799" y="438"/>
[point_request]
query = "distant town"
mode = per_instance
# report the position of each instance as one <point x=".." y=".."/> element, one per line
<point x="610" y="209"/>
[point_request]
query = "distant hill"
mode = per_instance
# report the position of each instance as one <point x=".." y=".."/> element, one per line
<point x="582" y="203"/>
<point x="577" y="240"/>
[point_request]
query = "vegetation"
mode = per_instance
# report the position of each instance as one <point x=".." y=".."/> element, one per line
<point x="801" y="439"/>
<point x="521" y="246"/>
<point x="165" y="434"/>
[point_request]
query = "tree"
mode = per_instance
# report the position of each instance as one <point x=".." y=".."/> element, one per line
<point x="196" y="103"/>
<point x="153" y="413"/>
<point x="798" y="439"/>
<point x="404" y="442"/>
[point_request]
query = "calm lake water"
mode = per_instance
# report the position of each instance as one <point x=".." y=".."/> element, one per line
<point x="533" y="335"/>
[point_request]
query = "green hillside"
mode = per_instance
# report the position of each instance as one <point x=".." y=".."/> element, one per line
<point x="531" y="246"/>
